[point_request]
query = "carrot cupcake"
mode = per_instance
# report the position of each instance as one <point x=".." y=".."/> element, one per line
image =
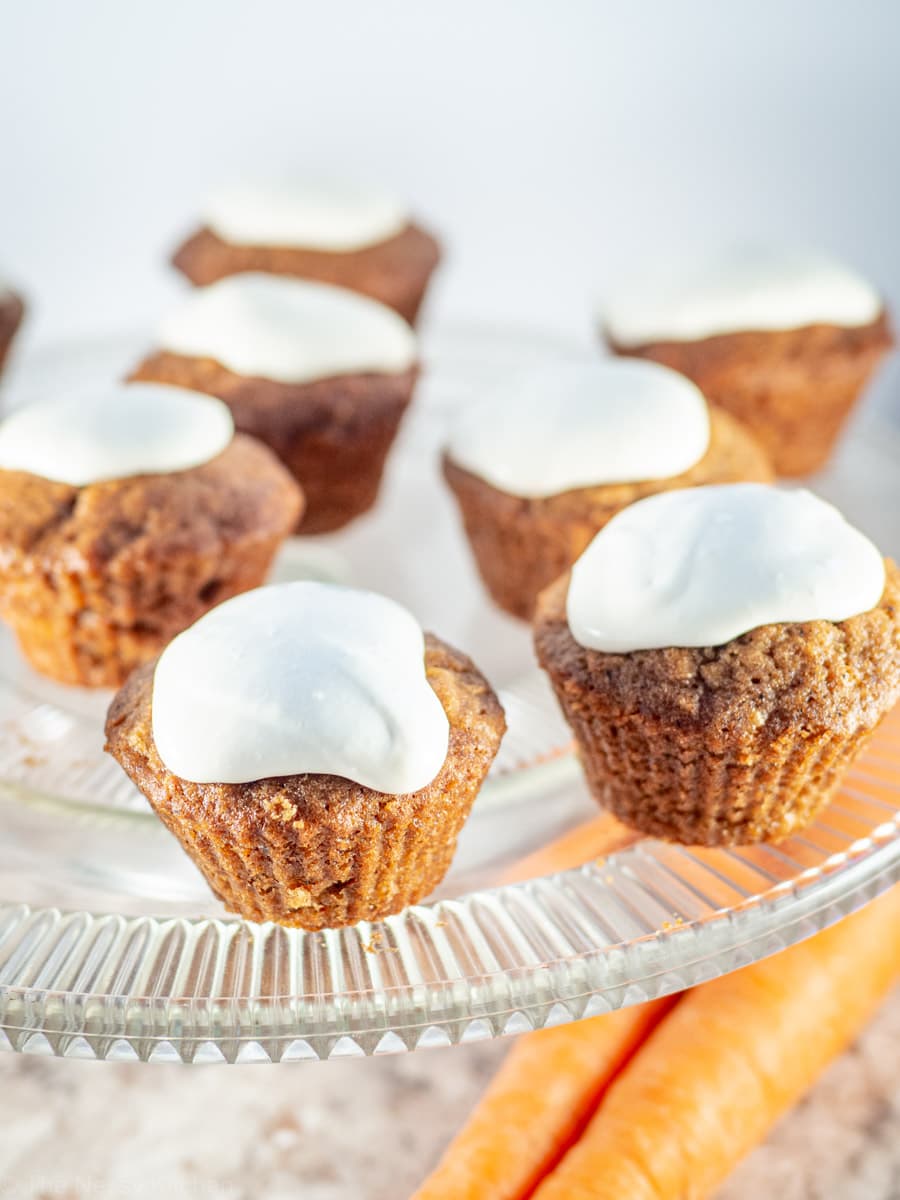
<point x="12" y="310"/>
<point x="722" y="655"/>
<point x="352" y="237"/>
<point x="785" y="340"/>
<point x="539" y="468"/>
<point x="315" y="754"/>
<point x="321" y="375"/>
<point x="124" y="515"/>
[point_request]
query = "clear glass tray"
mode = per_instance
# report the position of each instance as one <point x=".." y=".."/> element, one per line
<point x="112" y="947"/>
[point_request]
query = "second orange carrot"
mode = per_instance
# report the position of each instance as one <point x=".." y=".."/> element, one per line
<point x="537" y="1104"/>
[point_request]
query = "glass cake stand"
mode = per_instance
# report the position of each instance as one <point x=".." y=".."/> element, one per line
<point x="112" y="947"/>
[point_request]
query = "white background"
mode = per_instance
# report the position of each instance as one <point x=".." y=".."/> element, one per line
<point x="553" y="144"/>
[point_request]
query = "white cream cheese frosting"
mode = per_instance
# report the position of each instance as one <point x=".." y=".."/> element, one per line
<point x="748" y="288"/>
<point x="583" y="424"/>
<point x="701" y="566"/>
<point x="115" y="432"/>
<point x="300" y="678"/>
<point x="288" y="330"/>
<point x="327" y="216"/>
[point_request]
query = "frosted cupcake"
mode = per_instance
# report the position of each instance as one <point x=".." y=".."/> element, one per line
<point x="355" y="238"/>
<point x="124" y="515"/>
<point x="539" y="467"/>
<point x="12" y="310"/>
<point x="785" y="340"/>
<point x="321" y="375"/>
<point x="722" y="655"/>
<point x="315" y="754"/>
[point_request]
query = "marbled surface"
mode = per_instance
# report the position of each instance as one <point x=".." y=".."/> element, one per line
<point x="74" y="1130"/>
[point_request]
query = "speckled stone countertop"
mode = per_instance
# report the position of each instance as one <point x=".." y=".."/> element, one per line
<point x="330" y="1131"/>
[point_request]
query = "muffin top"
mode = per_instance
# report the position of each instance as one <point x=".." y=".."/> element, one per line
<point x="744" y="289"/>
<point x="314" y="215"/>
<point x="131" y="474"/>
<point x="114" y="433"/>
<point x="701" y="566"/>
<point x="330" y="804"/>
<point x="810" y="611"/>
<point x="300" y="678"/>
<point x="581" y="425"/>
<point x="839" y="676"/>
<point x="288" y="330"/>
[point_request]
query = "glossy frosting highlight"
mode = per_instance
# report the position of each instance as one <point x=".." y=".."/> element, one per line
<point x="300" y="678"/>
<point x="288" y="330"/>
<point x="578" y="425"/>
<point x="701" y="566"/>
<point x="747" y="288"/>
<point x="327" y="216"/>
<point x="114" y="433"/>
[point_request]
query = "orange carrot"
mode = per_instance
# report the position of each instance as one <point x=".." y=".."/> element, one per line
<point x="597" y="838"/>
<point x="550" y="1081"/>
<point x="730" y="1058"/>
<point x="538" y="1103"/>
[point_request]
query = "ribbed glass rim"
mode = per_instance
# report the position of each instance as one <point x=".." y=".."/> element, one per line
<point x="497" y="961"/>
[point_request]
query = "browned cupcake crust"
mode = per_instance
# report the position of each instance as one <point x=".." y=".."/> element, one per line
<point x="395" y="271"/>
<point x="96" y="580"/>
<point x="793" y="388"/>
<point x="319" y="851"/>
<point x="12" y="310"/>
<point x="744" y="742"/>
<point x="333" y="435"/>
<point x="521" y="545"/>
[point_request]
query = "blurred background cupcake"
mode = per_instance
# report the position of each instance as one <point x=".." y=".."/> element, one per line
<point x="784" y="339"/>
<point x="320" y="374"/>
<point x="125" y="514"/>
<point x="353" y="237"/>
<point x="541" y="465"/>
<point x="12" y="310"/>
